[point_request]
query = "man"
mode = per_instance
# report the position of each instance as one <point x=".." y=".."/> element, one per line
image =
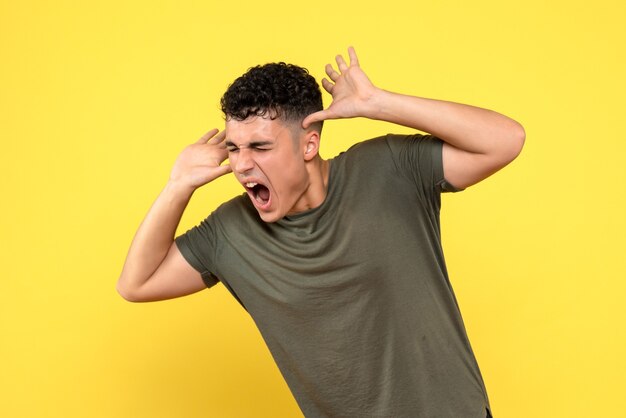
<point x="339" y="262"/>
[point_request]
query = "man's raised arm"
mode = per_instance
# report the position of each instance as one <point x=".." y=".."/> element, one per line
<point x="478" y="142"/>
<point x="154" y="267"/>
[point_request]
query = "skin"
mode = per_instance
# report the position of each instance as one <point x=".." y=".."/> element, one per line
<point x="477" y="143"/>
<point x="281" y="156"/>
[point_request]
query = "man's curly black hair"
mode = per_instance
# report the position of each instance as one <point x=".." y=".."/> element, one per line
<point x="275" y="90"/>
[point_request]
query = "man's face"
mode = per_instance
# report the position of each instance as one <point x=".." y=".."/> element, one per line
<point x="268" y="161"/>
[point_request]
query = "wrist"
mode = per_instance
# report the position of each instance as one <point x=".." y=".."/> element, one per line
<point x="178" y="190"/>
<point x="398" y="108"/>
<point x="377" y="104"/>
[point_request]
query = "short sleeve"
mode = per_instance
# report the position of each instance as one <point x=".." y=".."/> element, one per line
<point x="420" y="157"/>
<point x="197" y="246"/>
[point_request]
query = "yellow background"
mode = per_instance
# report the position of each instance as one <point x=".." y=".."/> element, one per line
<point x="98" y="98"/>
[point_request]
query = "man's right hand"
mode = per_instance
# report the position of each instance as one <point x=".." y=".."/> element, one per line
<point x="154" y="268"/>
<point x="201" y="162"/>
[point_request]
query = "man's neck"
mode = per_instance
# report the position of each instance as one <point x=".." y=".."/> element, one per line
<point x="316" y="191"/>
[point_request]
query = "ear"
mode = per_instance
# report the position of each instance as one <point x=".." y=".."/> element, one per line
<point x="311" y="145"/>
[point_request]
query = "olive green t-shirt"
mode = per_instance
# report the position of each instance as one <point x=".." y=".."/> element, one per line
<point x="353" y="297"/>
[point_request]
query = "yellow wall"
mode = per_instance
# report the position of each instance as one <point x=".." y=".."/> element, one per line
<point x="98" y="98"/>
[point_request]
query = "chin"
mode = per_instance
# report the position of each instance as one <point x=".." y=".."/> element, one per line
<point x="269" y="217"/>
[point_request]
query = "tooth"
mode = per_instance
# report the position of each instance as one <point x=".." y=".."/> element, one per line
<point x="251" y="184"/>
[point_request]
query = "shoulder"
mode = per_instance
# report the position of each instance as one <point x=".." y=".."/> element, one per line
<point x="225" y="215"/>
<point x="364" y="151"/>
<point x="395" y="149"/>
<point x="393" y="143"/>
<point x="237" y="210"/>
<point x="369" y="145"/>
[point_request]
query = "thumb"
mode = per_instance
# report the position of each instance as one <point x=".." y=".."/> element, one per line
<point x="316" y="117"/>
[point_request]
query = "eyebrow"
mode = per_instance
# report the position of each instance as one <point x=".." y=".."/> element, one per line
<point x="252" y="144"/>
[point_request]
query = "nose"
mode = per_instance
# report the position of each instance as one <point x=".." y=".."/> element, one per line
<point x="243" y="161"/>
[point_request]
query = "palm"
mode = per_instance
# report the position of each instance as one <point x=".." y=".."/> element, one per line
<point x="350" y="88"/>
<point x="200" y="162"/>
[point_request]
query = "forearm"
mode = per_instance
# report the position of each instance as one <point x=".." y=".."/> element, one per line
<point x="154" y="236"/>
<point x="469" y="128"/>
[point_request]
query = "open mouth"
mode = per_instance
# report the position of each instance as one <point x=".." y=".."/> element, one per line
<point x="258" y="192"/>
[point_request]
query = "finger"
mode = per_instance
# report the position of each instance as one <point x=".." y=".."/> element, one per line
<point x="316" y="117"/>
<point x="353" y="58"/>
<point x="218" y="138"/>
<point x="222" y="170"/>
<point x="328" y="86"/>
<point x="330" y="71"/>
<point x="341" y="64"/>
<point x="222" y="155"/>
<point x="204" y="138"/>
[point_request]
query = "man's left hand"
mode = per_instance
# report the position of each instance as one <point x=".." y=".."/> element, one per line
<point x="353" y="93"/>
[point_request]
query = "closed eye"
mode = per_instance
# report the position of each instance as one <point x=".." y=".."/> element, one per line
<point x="255" y="146"/>
<point x="234" y="149"/>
